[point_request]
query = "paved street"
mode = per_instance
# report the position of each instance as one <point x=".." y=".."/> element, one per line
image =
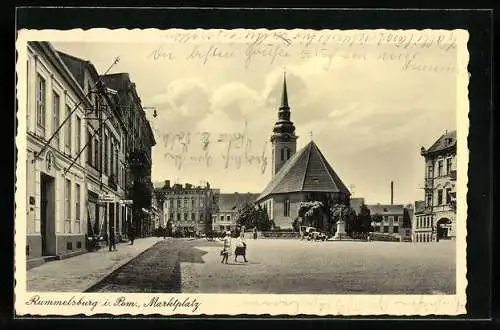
<point x="78" y="273"/>
<point x="291" y="266"/>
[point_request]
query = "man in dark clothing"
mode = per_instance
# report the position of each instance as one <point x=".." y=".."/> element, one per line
<point x="112" y="239"/>
<point x="131" y="233"/>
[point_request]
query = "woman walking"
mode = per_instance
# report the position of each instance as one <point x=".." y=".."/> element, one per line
<point x="226" y="250"/>
<point x="241" y="248"/>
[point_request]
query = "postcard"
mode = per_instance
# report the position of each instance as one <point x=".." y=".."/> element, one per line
<point x="241" y="172"/>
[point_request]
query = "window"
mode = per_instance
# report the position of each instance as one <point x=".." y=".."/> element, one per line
<point x="385" y="218"/>
<point x="201" y="217"/>
<point x="386" y="229"/>
<point x="56" y="104"/>
<point x="78" y="134"/>
<point x="112" y="158"/>
<point x="27" y="92"/>
<point x="96" y="154"/>
<point x="185" y="202"/>
<point x="221" y="228"/>
<point x="89" y="147"/>
<point x="440" y="197"/>
<point x="178" y="203"/>
<point x="286" y="208"/>
<point x="67" y="207"/>
<point x="429" y="200"/>
<point x="185" y="217"/>
<point x="67" y="138"/>
<point x="171" y="218"/>
<point x="429" y="171"/>
<point x="40" y="102"/>
<point x="448" y="166"/>
<point x="221" y="218"/>
<point x="192" y="203"/>
<point x="448" y="196"/>
<point x="178" y="217"/>
<point x="440" y="168"/>
<point x="228" y="218"/>
<point x="106" y="153"/>
<point x="117" y="148"/>
<point x="77" y="209"/>
<point x="282" y="154"/>
<point x="287" y="153"/>
<point x="193" y="217"/>
<point x="395" y="229"/>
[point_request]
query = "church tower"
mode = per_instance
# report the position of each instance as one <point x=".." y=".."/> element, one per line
<point x="284" y="140"/>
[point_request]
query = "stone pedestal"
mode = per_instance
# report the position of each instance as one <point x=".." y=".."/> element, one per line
<point x="340" y="233"/>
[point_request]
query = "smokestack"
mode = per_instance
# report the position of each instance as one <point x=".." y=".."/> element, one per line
<point x="392" y="192"/>
<point x="167" y="184"/>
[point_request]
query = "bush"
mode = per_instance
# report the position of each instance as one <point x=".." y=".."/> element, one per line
<point x="383" y="237"/>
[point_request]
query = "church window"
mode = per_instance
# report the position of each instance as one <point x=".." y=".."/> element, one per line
<point x="286" y="208"/>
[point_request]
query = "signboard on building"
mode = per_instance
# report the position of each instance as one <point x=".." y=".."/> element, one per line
<point x="126" y="201"/>
<point x="107" y="199"/>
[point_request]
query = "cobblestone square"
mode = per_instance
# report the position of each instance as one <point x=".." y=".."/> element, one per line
<point x="290" y="267"/>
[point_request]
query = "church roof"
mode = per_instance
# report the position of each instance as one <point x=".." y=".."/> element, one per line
<point x="307" y="170"/>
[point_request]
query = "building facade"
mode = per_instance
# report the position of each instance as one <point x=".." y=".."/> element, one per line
<point x="105" y="139"/>
<point x="226" y="215"/>
<point x="299" y="176"/>
<point x="188" y="208"/>
<point x="422" y="224"/>
<point x="439" y="187"/>
<point x="55" y="172"/>
<point x="137" y="146"/>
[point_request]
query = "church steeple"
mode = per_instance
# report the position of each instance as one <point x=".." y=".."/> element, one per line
<point x="284" y="139"/>
<point x="284" y="95"/>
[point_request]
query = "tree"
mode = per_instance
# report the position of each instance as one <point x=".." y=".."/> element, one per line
<point x="250" y="216"/>
<point x="311" y="212"/>
<point x="364" y="220"/>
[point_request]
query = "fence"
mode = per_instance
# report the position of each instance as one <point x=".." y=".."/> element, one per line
<point x="384" y="237"/>
<point x="280" y="234"/>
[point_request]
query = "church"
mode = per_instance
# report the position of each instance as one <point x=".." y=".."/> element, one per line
<point x="297" y="176"/>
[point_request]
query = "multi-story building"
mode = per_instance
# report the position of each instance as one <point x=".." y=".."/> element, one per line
<point x="138" y="148"/>
<point x="104" y="143"/>
<point x="226" y="214"/>
<point x="439" y="186"/>
<point x="422" y="224"/>
<point x="55" y="171"/>
<point x="387" y="218"/>
<point x="188" y="208"/>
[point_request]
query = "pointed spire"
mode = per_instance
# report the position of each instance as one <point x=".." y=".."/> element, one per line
<point x="284" y="95"/>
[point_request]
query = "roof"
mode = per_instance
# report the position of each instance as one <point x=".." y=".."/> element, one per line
<point x="307" y="170"/>
<point x="386" y="209"/>
<point x="419" y="206"/>
<point x="232" y="202"/>
<point x="446" y="141"/>
<point x="121" y="83"/>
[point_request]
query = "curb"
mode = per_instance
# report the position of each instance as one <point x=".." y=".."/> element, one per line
<point x="117" y="268"/>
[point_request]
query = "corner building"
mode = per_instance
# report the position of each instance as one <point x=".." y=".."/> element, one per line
<point x="55" y="175"/>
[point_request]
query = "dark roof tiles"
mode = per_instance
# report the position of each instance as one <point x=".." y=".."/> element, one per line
<point x="306" y="170"/>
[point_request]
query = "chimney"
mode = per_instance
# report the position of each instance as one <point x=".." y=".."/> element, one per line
<point x="392" y="192"/>
<point x="167" y="184"/>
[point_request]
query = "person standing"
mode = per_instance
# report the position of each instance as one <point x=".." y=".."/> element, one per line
<point x="112" y="239"/>
<point x="254" y="232"/>
<point x="226" y="250"/>
<point x="241" y="248"/>
<point x="131" y="233"/>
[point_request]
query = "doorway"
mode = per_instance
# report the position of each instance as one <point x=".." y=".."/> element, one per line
<point x="442" y="228"/>
<point x="47" y="215"/>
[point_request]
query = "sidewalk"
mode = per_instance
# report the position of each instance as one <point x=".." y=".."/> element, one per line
<point x="81" y="272"/>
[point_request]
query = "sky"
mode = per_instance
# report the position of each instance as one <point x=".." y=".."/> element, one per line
<point x="368" y="105"/>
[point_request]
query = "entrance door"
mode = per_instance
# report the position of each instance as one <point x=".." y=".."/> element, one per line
<point x="442" y="228"/>
<point x="47" y="215"/>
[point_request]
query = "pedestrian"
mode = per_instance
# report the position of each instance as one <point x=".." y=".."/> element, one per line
<point x="131" y="233"/>
<point x="254" y="232"/>
<point x="241" y="248"/>
<point x="226" y="250"/>
<point x="112" y="239"/>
